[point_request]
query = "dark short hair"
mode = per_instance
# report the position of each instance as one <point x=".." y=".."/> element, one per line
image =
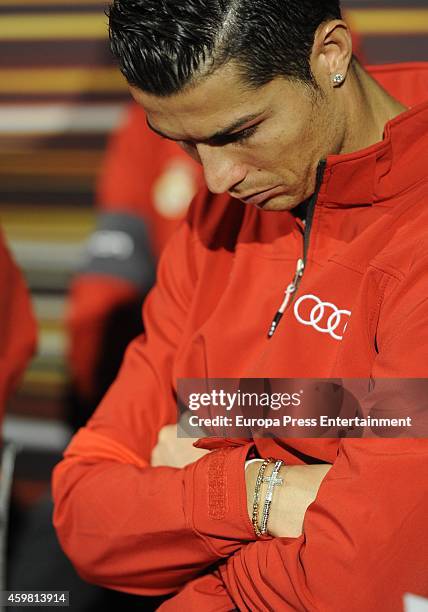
<point x="164" y="45"/>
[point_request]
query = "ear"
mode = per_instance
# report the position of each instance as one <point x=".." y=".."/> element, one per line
<point x="332" y="52"/>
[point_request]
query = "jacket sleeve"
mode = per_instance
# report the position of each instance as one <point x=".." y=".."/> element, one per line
<point x="364" y="540"/>
<point x="207" y="593"/>
<point x="363" y="546"/>
<point x="365" y="537"/>
<point x="124" y="524"/>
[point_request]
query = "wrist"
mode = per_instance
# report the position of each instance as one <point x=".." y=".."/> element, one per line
<point x="263" y="479"/>
<point x="276" y="515"/>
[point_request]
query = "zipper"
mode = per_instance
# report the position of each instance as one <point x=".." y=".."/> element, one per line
<point x="291" y="289"/>
<point x="301" y="262"/>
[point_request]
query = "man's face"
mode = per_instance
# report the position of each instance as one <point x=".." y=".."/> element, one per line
<point x="262" y="145"/>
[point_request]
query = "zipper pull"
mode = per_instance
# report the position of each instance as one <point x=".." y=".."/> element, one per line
<point x="299" y="271"/>
<point x="292" y="288"/>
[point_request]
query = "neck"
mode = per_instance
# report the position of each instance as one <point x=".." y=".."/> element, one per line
<point x="368" y="108"/>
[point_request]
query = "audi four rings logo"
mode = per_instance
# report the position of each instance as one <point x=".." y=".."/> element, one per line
<point x="325" y="317"/>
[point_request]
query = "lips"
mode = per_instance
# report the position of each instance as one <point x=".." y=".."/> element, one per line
<point x="260" y="199"/>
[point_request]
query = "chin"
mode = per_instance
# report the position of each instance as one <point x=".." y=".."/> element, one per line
<point x="280" y="202"/>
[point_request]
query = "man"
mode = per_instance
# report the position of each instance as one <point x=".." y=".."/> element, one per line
<point x="144" y="190"/>
<point x="318" y="189"/>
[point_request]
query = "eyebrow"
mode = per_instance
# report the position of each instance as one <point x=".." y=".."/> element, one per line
<point x="227" y="131"/>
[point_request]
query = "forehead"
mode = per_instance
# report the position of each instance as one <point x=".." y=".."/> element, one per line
<point x="201" y="109"/>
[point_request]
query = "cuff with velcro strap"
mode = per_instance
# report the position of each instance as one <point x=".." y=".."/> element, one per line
<point x="216" y="499"/>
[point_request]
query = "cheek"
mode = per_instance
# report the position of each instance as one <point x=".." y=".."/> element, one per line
<point x="289" y="149"/>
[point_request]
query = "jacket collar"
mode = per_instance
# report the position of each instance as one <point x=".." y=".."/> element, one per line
<point x="383" y="170"/>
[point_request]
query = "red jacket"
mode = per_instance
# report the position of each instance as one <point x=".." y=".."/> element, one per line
<point x="17" y="326"/>
<point x="152" y="530"/>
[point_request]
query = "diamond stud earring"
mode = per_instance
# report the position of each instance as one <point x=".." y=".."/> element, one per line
<point x="338" y="78"/>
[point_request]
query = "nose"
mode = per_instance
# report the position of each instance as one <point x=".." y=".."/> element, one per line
<point x="222" y="170"/>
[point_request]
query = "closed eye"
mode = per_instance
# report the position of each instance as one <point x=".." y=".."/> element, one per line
<point x="236" y="137"/>
<point x="218" y="141"/>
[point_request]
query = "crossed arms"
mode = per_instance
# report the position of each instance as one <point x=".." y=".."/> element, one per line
<point x="152" y="530"/>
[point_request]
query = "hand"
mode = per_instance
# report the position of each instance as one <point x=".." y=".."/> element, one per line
<point x="291" y="499"/>
<point x="172" y="451"/>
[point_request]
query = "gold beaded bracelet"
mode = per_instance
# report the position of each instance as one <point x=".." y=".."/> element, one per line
<point x="272" y="481"/>
<point x="256" y="498"/>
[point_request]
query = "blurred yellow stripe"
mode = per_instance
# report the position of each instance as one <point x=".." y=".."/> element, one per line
<point x="389" y="21"/>
<point x="50" y="326"/>
<point x="54" y="224"/>
<point x="34" y="379"/>
<point x="52" y="26"/>
<point x="48" y="215"/>
<point x="61" y="80"/>
<point x="94" y="25"/>
<point x="41" y="235"/>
